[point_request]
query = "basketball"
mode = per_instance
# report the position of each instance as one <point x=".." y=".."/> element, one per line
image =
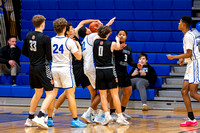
<point x="198" y="26"/>
<point x="93" y="27"/>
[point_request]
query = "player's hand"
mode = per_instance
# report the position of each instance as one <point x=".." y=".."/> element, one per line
<point x="12" y="63"/>
<point x="111" y="21"/>
<point x="12" y="46"/>
<point x="170" y="57"/>
<point x="99" y="24"/>
<point x="117" y="39"/>
<point x="116" y="79"/>
<point x="181" y="62"/>
<point x="136" y="72"/>
<point x="142" y="73"/>
<point x="139" y="66"/>
<point x="122" y="46"/>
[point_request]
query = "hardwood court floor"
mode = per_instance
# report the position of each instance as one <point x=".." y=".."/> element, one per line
<point x="12" y="119"/>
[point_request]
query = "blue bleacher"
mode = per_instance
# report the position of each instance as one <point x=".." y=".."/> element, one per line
<point x="152" y="27"/>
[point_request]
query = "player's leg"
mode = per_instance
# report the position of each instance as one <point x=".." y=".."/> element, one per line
<point x="33" y="105"/>
<point x="73" y="109"/>
<point x="184" y="91"/>
<point x="51" y="109"/>
<point x="117" y="105"/>
<point x="127" y="91"/>
<point x="60" y="101"/>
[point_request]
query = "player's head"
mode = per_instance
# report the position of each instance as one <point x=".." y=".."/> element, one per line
<point x="69" y="29"/>
<point x="39" y="21"/>
<point x="60" y="25"/>
<point x="12" y="40"/>
<point x="142" y="58"/>
<point x="122" y="34"/>
<point x="185" y="23"/>
<point x="104" y="31"/>
<point x="83" y="31"/>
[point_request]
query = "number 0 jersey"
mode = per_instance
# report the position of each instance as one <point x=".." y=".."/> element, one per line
<point x="62" y="47"/>
<point x="102" y="53"/>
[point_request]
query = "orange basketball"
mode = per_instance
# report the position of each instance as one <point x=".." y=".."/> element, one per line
<point x="93" y="27"/>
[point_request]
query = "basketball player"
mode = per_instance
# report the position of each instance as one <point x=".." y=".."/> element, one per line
<point x="122" y="58"/>
<point x="37" y="46"/>
<point x="62" y="71"/>
<point x="105" y="79"/>
<point x="79" y="75"/>
<point x="192" y="58"/>
<point x="89" y="69"/>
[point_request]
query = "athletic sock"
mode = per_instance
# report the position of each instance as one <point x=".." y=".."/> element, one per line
<point x="123" y="108"/>
<point x="31" y="115"/>
<point x="75" y="118"/>
<point x="90" y="110"/>
<point x="41" y="114"/>
<point x="191" y="115"/>
<point x="112" y="111"/>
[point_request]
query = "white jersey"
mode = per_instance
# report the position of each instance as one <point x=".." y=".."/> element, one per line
<point x="190" y="42"/>
<point x="62" y="47"/>
<point x="87" y="48"/>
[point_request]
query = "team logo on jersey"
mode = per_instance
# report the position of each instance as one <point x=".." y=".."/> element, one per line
<point x="101" y="42"/>
<point x="33" y="37"/>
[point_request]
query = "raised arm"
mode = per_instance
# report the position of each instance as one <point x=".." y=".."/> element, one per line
<point x="82" y="23"/>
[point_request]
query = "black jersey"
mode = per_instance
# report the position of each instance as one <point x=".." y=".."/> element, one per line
<point x="37" y="46"/>
<point x="77" y="63"/>
<point x="122" y="58"/>
<point x="102" y="53"/>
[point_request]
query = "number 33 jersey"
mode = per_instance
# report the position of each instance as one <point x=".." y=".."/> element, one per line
<point x="62" y="47"/>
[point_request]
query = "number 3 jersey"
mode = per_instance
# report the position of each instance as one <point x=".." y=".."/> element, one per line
<point x="37" y="46"/>
<point x="62" y="47"/>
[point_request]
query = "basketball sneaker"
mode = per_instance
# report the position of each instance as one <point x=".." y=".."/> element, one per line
<point x="126" y="116"/>
<point x="99" y="118"/>
<point x="188" y="123"/>
<point x="114" y="116"/>
<point x="29" y="123"/>
<point x="144" y="107"/>
<point x="50" y="122"/>
<point x="121" y="120"/>
<point x="40" y="122"/>
<point x="77" y="123"/>
<point x="107" y="120"/>
<point x="87" y="117"/>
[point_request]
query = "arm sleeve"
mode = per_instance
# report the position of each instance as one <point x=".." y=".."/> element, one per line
<point x="151" y="75"/>
<point x="189" y="41"/>
<point x="130" y="60"/>
<point x="15" y="53"/>
<point x="25" y="48"/>
<point x="71" y="45"/>
<point x="48" y="48"/>
<point x="2" y="60"/>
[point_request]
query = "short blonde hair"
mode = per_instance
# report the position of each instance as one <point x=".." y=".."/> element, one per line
<point x="38" y="20"/>
<point x="59" y="24"/>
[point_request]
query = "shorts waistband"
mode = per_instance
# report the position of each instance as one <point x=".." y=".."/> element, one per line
<point x="108" y="67"/>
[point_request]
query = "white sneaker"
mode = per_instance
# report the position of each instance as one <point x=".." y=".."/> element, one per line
<point x="114" y="116"/>
<point x="99" y="119"/>
<point x="126" y="116"/>
<point x="122" y="121"/>
<point x="86" y="117"/>
<point x="107" y="120"/>
<point x="40" y="122"/>
<point x="144" y="107"/>
<point x="29" y="123"/>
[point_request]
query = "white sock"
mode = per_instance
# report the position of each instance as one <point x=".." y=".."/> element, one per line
<point x="42" y="111"/>
<point x="107" y="114"/>
<point x="144" y="104"/>
<point x="90" y="110"/>
<point x="31" y="113"/>
<point x="54" y="110"/>
<point x="94" y="112"/>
